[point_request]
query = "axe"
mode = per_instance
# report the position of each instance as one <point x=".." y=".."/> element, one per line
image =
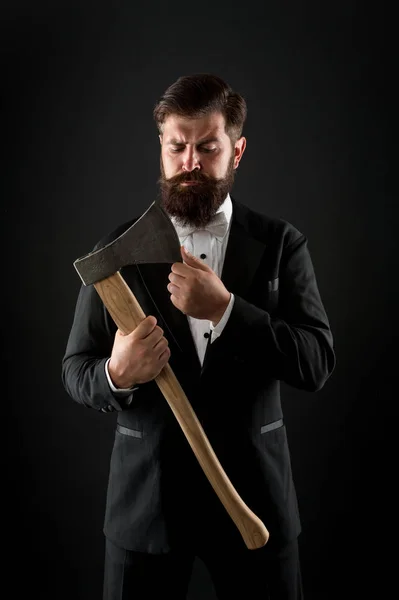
<point x="153" y="239"/>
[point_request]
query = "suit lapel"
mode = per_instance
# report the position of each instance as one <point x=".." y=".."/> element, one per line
<point x="175" y="324"/>
<point x="243" y="254"/>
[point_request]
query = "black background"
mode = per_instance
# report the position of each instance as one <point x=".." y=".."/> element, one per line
<point x="79" y="82"/>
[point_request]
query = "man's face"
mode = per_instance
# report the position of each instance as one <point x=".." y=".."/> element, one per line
<point x="198" y="162"/>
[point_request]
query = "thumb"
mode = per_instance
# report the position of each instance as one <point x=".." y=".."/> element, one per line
<point x="193" y="261"/>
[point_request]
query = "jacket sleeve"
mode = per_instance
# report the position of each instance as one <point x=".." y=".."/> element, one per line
<point x="88" y="347"/>
<point x="293" y="343"/>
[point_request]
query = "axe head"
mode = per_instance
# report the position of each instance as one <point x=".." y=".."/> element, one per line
<point x="151" y="239"/>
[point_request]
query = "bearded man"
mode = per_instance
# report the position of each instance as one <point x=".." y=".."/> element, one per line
<point x="239" y="314"/>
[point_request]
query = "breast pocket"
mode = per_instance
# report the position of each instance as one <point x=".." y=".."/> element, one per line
<point x="265" y="293"/>
<point x="272" y="295"/>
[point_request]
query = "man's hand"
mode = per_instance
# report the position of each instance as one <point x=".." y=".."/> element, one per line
<point x="196" y="290"/>
<point x="140" y="356"/>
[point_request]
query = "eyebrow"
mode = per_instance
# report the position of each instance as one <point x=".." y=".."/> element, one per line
<point x="208" y="140"/>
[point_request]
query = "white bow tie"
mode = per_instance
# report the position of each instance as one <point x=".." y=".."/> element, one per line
<point x="217" y="226"/>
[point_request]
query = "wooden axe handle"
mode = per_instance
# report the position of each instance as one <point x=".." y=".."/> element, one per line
<point x="127" y="314"/>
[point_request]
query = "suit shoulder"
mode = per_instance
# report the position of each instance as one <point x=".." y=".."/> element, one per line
<point x="113" y="234"/>
<point x="264" y="227"/>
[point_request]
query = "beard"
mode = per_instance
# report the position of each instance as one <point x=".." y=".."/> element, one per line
<point x="195" y="205"/>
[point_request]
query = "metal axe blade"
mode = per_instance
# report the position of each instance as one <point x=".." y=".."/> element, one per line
<point x="151" y="239"/>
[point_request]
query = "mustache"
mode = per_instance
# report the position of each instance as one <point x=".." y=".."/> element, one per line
<point x="193" y="176"/>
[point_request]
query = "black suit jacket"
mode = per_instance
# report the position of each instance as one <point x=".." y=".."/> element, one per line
<point x="158" y="497"/>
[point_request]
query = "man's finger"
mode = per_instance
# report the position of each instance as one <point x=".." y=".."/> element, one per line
<point x="144" y="328"/>
<point x="173" y="289"/>
<point x="176" y="279"/>
<point x="193" y="261"/>
<point x="175" y="302"/>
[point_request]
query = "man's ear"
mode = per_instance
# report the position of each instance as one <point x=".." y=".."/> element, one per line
<point x="160" y="138"/>
<point x="239" y="148"/>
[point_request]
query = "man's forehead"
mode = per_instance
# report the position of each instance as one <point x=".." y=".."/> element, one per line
<point x="190" y="130"/>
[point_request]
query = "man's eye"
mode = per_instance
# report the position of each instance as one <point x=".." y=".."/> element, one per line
<point x="204" y="149"/>
<point x="176" y="149"/>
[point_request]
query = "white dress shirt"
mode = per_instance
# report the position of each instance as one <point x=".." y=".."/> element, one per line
<point x="211" y="249"/>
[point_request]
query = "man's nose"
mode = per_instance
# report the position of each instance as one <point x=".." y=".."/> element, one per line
<point x="190" y="160"/>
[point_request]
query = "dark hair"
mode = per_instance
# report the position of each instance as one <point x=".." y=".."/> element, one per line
<point x="198" y="95"/>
